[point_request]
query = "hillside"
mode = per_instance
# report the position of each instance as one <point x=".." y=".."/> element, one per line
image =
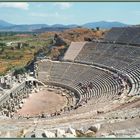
<point x="81" y="34"/>
<point x="71" y="35"/>
<point x="76" y="34"/>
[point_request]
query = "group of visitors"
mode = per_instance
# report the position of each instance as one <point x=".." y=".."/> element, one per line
<point x="85" y="87"/>
<point x="123" y="81"/>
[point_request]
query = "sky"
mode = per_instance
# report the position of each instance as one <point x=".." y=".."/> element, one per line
<point x="69" y="12"/>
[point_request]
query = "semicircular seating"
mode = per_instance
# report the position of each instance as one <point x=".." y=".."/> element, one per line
<point x="97" y="62"/>
<point x="70" y="74"/>
<point x="122" y="57"/>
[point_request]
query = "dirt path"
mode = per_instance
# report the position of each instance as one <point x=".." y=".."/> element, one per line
<point x="43" y="101"/>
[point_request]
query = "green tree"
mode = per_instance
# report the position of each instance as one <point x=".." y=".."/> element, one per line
<point x="2" y="45"/>
<point x="97" y="28"/>
<point x="21" y="70"/>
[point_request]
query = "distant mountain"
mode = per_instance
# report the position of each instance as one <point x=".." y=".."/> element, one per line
<point x="51" y="29"/>
<point x="57" y="25"/>
<point x="101" y="24"/>
<point x="16" y="28"/>
<point x="36" y="27"/>
<point x="56" y="28"/>
<point x="104" y="24"/>
<point x="72" y="26"/>
<point x="64" y="26"/>
<point x="5" y="24"/>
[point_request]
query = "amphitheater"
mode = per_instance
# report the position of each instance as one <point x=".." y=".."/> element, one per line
<point x="94" y="92"/>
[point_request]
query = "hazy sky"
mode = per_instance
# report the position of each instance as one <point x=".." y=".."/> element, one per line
<point x="69" y="13"/>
